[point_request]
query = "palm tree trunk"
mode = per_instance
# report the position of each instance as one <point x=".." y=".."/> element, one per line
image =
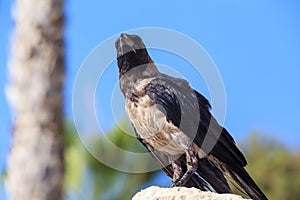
<point x="35" y="164"/>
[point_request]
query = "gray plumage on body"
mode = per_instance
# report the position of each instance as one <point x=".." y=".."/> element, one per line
<point x="172" y="121"/>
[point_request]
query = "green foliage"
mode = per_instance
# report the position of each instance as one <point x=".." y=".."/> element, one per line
<point x="74" y="159"/>
<point x="88" y="178"/>
<point x="275" y="169"/>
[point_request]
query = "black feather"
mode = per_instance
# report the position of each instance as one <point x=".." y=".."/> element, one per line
<point x="188" y="110"/>
<point x="177" y="100"/>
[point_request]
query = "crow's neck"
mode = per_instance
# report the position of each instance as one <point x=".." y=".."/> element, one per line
<point x="130" y="79"/>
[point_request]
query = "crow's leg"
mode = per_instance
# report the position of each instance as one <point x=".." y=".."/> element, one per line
<point x="177" y="172"/>
<point x="192" y="165"/>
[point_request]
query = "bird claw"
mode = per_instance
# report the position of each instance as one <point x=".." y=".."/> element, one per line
<point x="176" y="184"/>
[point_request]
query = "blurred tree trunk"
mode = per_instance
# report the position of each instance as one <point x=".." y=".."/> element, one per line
<point x="35" y="165"/>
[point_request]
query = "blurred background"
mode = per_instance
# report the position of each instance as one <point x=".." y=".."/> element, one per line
<point x="256" y="47"/>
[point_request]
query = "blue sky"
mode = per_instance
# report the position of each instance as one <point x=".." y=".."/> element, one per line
<point x="255" y="45"/>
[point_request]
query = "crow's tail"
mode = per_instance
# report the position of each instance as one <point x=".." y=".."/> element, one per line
<point x="243" y="179"/>
<point x="213" y="175"/>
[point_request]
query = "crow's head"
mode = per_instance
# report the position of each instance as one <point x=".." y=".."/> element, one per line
<point x="131" y="52"/>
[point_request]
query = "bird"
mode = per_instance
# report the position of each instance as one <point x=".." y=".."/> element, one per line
<point x="173" y="121"/>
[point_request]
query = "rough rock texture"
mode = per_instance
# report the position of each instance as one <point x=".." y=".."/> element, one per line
<point x="181" y="193"/>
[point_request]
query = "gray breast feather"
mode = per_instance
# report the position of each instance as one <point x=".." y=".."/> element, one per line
<point x="151" y="124"/>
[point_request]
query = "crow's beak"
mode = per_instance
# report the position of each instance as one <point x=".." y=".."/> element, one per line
<point x="126" y="43"/>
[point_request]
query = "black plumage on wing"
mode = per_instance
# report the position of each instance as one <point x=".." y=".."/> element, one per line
<point x="174" y="123"/>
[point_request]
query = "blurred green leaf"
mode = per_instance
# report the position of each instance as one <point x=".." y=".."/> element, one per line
<point x="103" y="182"/>
<point x="273" y="167"/>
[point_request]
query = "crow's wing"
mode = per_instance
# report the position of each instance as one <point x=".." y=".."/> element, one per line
<point x="179" y="102"/>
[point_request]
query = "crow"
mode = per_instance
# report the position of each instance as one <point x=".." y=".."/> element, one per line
<point x="173" y="121"/>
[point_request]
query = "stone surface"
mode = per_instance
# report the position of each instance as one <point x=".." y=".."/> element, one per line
<point x="181" y="193"/>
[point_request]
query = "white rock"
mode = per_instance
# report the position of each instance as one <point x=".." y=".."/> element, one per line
<point x="181" y="193"/>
